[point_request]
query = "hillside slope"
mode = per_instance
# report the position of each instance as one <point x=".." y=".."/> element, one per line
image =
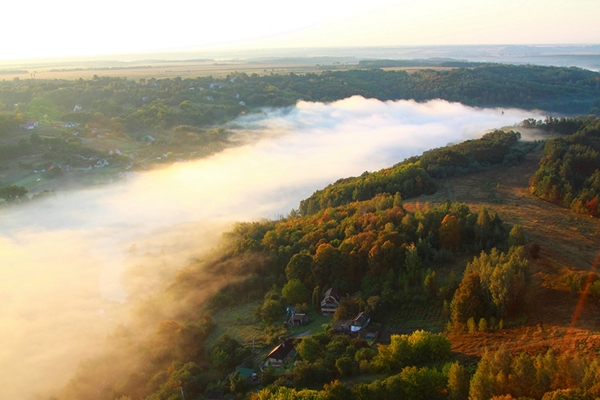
<point x="560" y="317"/>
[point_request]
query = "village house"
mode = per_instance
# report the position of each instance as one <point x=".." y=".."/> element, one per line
<point x="101" y="164"/>
<point x="279" y="354"/>
<point x="356" y="325"/>
<point x="341" y="326"/>
<point x="331" y="300"/>
<point x="297" y="319"/>
<point x="29" y="125"/>
<point x="359" y="322"/>
<point x="148" y="139"/>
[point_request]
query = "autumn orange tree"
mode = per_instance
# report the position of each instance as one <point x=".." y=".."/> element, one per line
<point x="450" y="232"/>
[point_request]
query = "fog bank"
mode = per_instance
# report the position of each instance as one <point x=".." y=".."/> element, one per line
<point x="62" y="257"/>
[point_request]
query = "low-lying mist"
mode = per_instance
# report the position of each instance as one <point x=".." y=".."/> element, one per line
<point x="62" y="258"/>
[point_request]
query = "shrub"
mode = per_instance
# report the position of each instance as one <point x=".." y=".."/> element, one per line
<point x="471" y="327"/>
<point x="483" y="326"/>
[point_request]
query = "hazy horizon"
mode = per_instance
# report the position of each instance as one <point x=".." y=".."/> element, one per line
<point x="66" y="29"/>
<point x="64" y="256"/>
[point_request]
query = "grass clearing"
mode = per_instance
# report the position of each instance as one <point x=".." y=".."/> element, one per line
<point x="241" y="323"/>
<point x="557" y="317"/>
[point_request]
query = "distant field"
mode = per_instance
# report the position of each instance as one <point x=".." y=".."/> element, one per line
<point x="165" y="69"/>
<point x="411" y="70"/>
<point x="183" y="69"/>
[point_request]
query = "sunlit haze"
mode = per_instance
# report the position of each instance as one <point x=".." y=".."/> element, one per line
<point x="62" y="258"/>
<point x="136" y="135"/>
<point x="62" y="28"/>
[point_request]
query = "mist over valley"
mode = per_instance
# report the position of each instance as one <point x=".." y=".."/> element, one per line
<point x="63" y="256"/>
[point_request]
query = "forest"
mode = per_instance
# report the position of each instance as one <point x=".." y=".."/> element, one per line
<point x="415" y="176"/>
<point x="156" y="121"/>
<point x="388" y="258"/>
<point x="166" y="103"/>
<point x="569" y="173"/>
<point x="427" y="275"/>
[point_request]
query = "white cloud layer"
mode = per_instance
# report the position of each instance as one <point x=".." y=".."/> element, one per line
<point x="62" y="257"/>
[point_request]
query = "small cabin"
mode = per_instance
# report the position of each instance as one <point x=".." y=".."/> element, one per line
<point x="341" y="326"/>
<point x="279" y="354"/>
<point x="361" y="321"/>
<point x="299" y="319"/>
<point x="331" y="301"/>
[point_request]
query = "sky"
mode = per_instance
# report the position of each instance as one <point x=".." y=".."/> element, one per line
<point x="62" y="259"/>
<point x="65" y="28"/>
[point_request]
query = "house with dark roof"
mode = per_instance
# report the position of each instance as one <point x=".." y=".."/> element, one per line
<point x="280" y="353"/>
<point x="29" y="125"/>
<point x="299" y="319"/>
<point x="361" y="321"/>
<point x="341" y="326"/>
<point x="331" y="300"/>
<point x="356" y="325"/>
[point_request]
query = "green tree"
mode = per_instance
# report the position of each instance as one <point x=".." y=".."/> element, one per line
<point x="13" y="193"/>
<point x="430" y="284"/>
<point x="397" y="354"/>
<point x="268" y="375"/>
<point x="421" y="384"/>
<point x="299" y="267"/>
<point x="316" y="298"/>
<point x="458" y="382"/>
<point x="336" y="390"/>
<point x="509" y="280"/>
<point x="325" y="260"/>
<point x="345" y="365"/>
<point x="516" y="236"/>
<point x="295" y="292"/>
<point x="271" y="310"/>
<point x="413" y="264"/>
<point x="238" y="384"/>
<point x="310" y="349"/>
<point x="523" y="376"/>
<point x="483" y="228"/>
<point x="347" y="309"/>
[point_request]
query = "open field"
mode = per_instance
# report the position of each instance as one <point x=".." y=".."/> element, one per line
<point x="167" y="69"/>
<point x="184" y="69"/>
<point x="241" y="323"/>
<point x="412" y="70"/>
<point x="558" y="317"/>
